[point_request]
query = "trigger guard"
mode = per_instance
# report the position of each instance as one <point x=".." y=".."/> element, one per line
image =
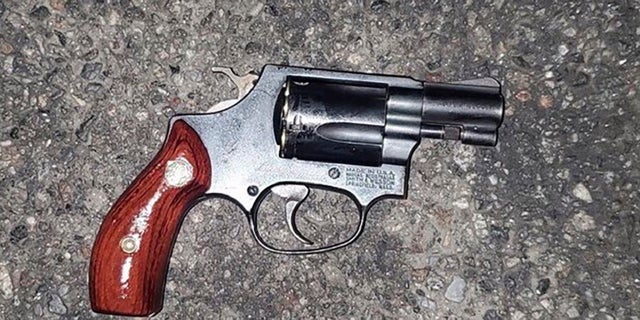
<point x="252" y="216"/>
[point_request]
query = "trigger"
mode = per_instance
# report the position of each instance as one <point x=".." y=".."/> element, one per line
<point x="294" y="195"/>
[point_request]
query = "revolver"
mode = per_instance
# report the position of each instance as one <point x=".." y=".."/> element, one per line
<point x="289" y="129"/>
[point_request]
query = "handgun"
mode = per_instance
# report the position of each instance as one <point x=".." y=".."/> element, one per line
<point x="288" y="130"/>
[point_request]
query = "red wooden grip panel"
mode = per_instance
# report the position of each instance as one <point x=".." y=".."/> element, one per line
<point x="131" y="252"/>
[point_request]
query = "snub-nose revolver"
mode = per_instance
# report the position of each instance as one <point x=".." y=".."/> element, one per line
<point x="289" y="129"/>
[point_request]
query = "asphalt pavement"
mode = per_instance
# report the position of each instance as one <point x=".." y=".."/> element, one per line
<point x="544" y="226"/>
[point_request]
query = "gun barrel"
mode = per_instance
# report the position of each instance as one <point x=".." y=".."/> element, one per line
<point x="470" y="111"/>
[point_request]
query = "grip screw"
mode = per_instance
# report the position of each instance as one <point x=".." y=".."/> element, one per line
<point x="129" y="244"/>
<point x="334" y="173"/>
<point x="178" y="172"/>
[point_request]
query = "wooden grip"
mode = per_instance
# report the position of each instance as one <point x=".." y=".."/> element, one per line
<point x="131" y="252"/>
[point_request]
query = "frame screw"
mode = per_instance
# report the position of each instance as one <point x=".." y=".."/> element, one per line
<point x="252" y="191"/>
<point x="334" y="173"/>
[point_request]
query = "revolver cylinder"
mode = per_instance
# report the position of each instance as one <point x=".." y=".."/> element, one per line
<point x="373" y="123"/>
<point x="332" y="122"/>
